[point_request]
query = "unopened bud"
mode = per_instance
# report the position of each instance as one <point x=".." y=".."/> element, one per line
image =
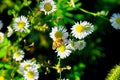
<point x="68" y="67"/>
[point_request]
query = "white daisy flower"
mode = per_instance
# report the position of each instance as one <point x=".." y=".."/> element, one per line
<point x="76" y="45"/>
<point x="48" y="6"/>
<point x="59" y="32"/>
<point x="63" y="51"/>
<point x="71" y="44"/>
<point x="10" y="31"/>
<point x="80" y="44"/>
<point x="21" y="24"/>
<point x="31" y="74"/>
<point x="1" y="37"/>
<point x="115" y="20"/>
<point x="82" y="29"/>
<point x="26" y="64"/>
<point x="18" y="55"/>
<point x="1" y="24"/>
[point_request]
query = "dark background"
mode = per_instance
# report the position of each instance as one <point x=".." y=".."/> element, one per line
<point x="110" y="42"/>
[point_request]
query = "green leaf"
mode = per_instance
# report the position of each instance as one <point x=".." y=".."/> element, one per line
<point x="82" y="65"/>
<point x="1" y="64"/>
<point x="3" y="52"/>
<point x="4" y="47"/>
<point x="11" y="12"/>
<point x="78" y="16"/>
<point x="7" y="65"/>
<point x="26" y="3"/>
<point x="77" y="78"/>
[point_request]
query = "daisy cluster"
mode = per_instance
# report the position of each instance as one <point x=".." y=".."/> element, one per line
<point x="21" y="23"/>
<point x="63" y="44"/>
<point x="29" y="70"/>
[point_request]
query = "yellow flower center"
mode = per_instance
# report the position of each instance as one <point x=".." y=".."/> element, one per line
<point x="118" y="20"/>
<point x="62" y="48"/>
<point x="2" y="78"/>
<point x="72" y="44"/>
<point x="81" y="44"/>
<point x="79" y="28"/>
<point x="30" y="74"/>
<point x="87" y="27"/>
<point x="21" y="24"/>
<point x="0" y="38"/>
<point x="58" y="34"/>
<point x="17" y="54"/>
<point x="48" y="7"/>
<point x="26" y="66"/>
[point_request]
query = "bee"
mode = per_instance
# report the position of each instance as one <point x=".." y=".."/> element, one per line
<point x="58" y="42"/>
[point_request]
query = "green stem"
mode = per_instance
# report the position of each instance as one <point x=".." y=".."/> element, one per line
<point x="60" y="71"/>
<point x="56" y="67"/>
<point x="83" y="10"/>
<point x="30" y="9"/>
<point x="60" y="76"/>
<point x="59" y="61"/>
<point x="94" y="14"/>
